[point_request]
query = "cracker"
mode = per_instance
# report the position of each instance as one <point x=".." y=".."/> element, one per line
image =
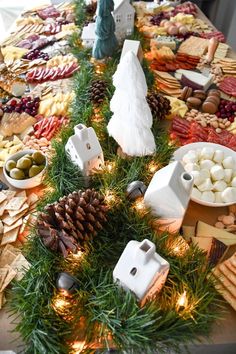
<point x="32" y="198"/>
<point x="8" y="220"/>
<point x="13" y="213"/>
<point x="21" y="194"/>
<point x="6" y="258"/>
<point x="11" y="248"/>
<point x="10" y="275"/>
<point x="3" y="207"/>
<point x="1" y="227"/>
<point x="15" y="203"/>
<point x="10" y="194"/>
<point x="10" y="236"/>
<point x="1" y="300"/>
<point x="3" y="274"/>
<point x="20" y="265"/>
<point x="13" y="226"/>
<point x="2" y="197"/>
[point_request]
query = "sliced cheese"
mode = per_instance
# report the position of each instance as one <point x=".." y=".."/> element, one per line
<point x="205" y="230"/>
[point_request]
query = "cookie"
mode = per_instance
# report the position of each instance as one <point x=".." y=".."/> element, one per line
<point x="213" y="99"/>
<point x="209" y="107"/>
<point x="199" y="94"/>
<point x="214" y="91"/>
<point x="194" y="102"/>
<point x="186" y="93"/>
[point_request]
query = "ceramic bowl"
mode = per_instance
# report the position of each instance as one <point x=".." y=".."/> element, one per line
<point x="23" y="183"/>
<point x="179" y="154"/>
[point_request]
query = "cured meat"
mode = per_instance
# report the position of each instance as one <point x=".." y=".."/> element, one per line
<point x="216" y="34"/>
<point x="185" y="132"/>
<point x="228" y="85"/>
<point x="48" y="12"/>
<point x="55" y="73"/>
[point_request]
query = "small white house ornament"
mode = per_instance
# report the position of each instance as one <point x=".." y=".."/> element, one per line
<point x="133" y="46"/>
<point x="141" y="270"/>
<point x="88" y="35"/>
<point x="85" y="150"/>
<point x="168" y="195"/>
<point x="124" y="18"/>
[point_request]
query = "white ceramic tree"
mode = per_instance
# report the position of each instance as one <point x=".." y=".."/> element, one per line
<point x="131" y="122"/>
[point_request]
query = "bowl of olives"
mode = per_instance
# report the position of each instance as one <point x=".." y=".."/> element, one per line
<point x="25" y="169"/>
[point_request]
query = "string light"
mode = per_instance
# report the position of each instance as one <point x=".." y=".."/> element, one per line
<point x="97" y="117"/>
<point x="182" y="301"/>
<point x="153" y="167"/>
<point x="60" y="304"/>
<point x="178" y="246"/>
<point x="110" y="166"/>
<point x="77" y="347"/>
<point x="139" y="206"/>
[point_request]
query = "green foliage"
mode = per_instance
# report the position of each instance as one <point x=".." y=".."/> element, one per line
<point x="106" y="309"/>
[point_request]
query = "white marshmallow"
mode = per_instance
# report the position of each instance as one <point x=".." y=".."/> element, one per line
<point x="228" y="162"/>
<point x="208" y="196"/>
<point x="191" y="156"/>
<point x="229" y="195"/>
<point x="189" y="167"/>
<point x="207" y="153"/>
<point x="217" y="172"/>
<point x="218" y="156"/>
<point x="233" y="182"/>
<point x="228" y="175"/>
<point x="206" y="164"/>
<point x="205" y="173"/>
<point x="206" y="185"/>
<point x="197" y="177"/>
<point x="196" y="193"/>
<point x="219" y="186"/>
<point x="218" y="197"/>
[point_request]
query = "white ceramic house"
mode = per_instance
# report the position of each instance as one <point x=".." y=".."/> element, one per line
<point x="133" y="46"/>
<point x="88" y="35"/>
<point x="168" y="195"/>
<point x="124" y="18"/>
<point x="85" y="150"/>
<point x="141" y="270"/>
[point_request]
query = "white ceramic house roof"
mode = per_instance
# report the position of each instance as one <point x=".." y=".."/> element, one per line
<point x="118" y="3"/>
<point x="133" y="46"/>
<point x="169" y="191"/>
<point x="84" y="149"/>
<point x="140" y="269"/>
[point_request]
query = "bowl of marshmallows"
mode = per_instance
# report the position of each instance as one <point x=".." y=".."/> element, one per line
<point x="213" y="168"/>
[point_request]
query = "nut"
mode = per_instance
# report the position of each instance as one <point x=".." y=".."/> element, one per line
<point x="218" y="130"/>
<point x="219" y="225"/>
<point x="228" y="220"/>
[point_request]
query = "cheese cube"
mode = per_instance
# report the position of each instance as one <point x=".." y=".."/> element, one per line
<point x="217" y="172"/>
<point x="206" y="185"/>
<point x="208" y="196"/>
<point x="219" y="186"/>
<point x="218" y="156"/>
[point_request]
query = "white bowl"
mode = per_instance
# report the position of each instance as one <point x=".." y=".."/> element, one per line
<point x="23" y="183"/>
<point x="179" y="154"/>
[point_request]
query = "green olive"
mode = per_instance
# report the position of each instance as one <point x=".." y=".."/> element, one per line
<point x="16" y="173"/>
<point x="24" y="163"/>
<point x="10" y="165"/>
<point x="39" y="158"/>
<point x="34" y="170"/>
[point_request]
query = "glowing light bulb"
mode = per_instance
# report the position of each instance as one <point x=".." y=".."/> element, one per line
<point x="153" y="167"/>
<point x="110" y="166"/>
<point x="77" y="347"/>
<point x="182" y="301"/>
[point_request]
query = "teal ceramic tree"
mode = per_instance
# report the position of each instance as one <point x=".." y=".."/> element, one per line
<point x="106" y="42"/>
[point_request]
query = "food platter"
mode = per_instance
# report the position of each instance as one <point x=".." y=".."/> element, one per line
<point x="182" y="151"/>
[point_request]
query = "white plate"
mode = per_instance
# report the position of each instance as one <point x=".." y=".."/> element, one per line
<point x="178" y="155"/>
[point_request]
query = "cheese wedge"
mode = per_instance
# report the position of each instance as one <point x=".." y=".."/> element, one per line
<point x="205" y="230"/>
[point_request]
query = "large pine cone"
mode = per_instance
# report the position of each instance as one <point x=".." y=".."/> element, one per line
<point x="73" y="220"/>
<point x="91" y="8"/>
<point x="159" y="105"/>
<point x="97" y="91"/>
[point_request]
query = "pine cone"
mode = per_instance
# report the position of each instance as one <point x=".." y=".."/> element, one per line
<point x="71" y="221"/>
<point x="97" y="91"/>
<point x="159" y="105"/>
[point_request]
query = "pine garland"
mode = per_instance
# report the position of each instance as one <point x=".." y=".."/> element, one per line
<point x="101" y="311"/>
